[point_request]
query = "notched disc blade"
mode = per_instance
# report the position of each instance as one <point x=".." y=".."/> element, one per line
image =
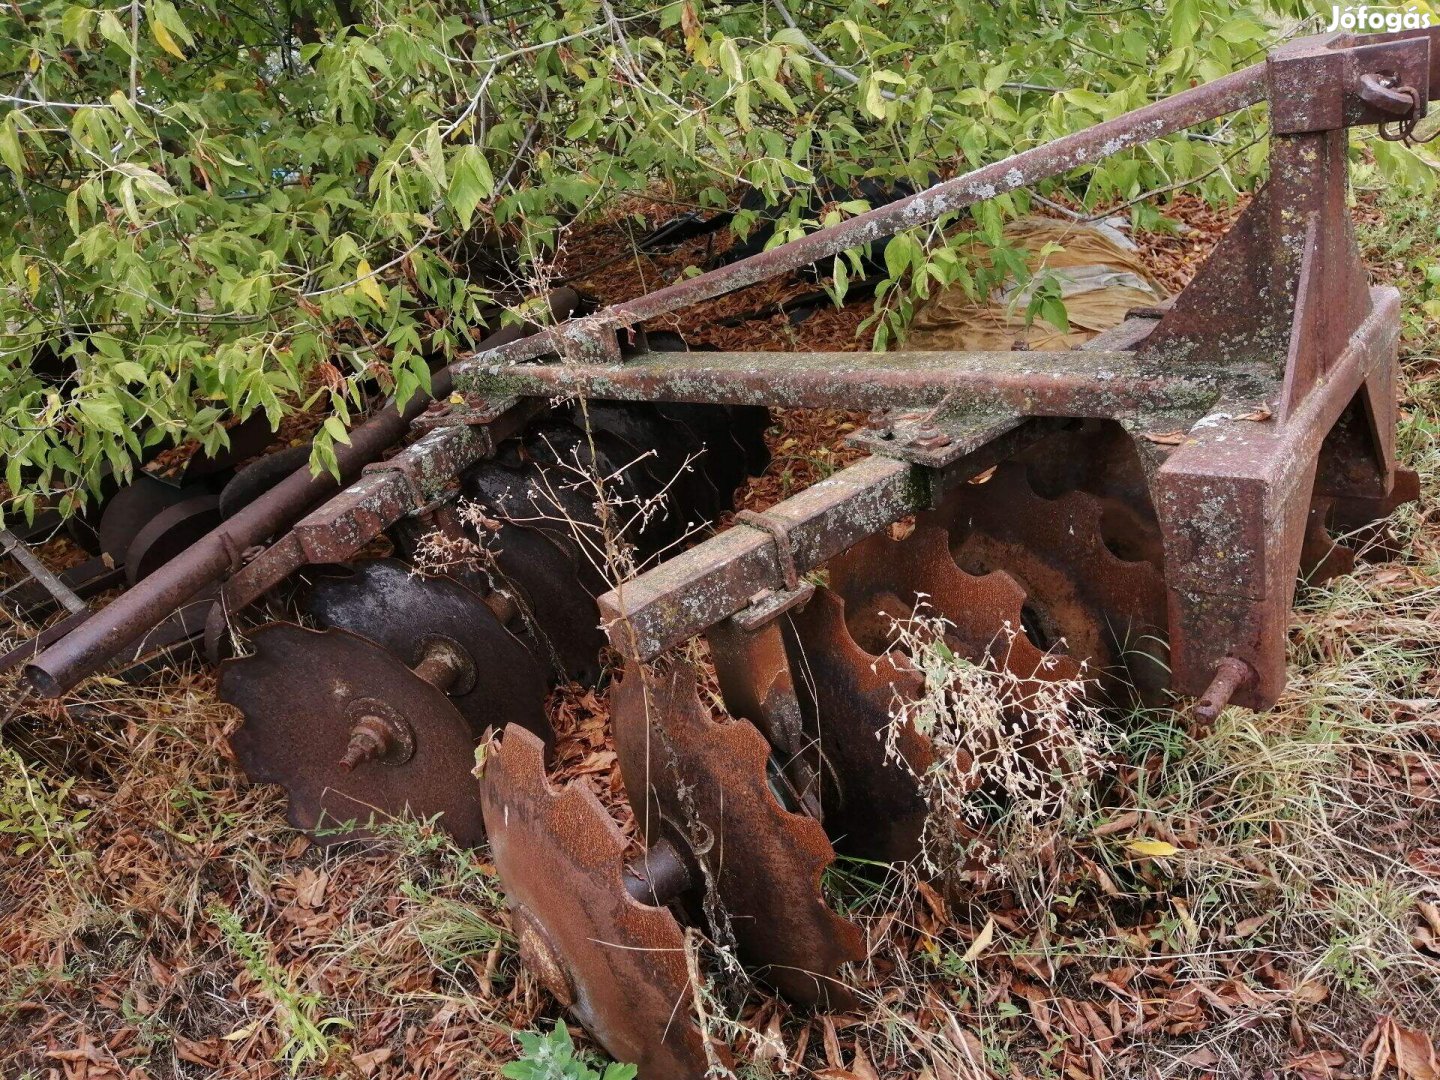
<point x="1108" y="611"/>
<point x="884" y="581"/>
<point x="385" y="601"/>
<point x="618" y="965"/>
<point x="301" y="694"/>
<point x="879" y="813"/>
<point x="709" y="782"/>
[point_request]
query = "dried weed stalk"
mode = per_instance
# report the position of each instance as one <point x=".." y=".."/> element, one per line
<point x="1013" y="754"/>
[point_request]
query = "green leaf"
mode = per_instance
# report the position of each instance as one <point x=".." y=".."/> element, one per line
<point x="470" y="183"/>
<point x="1087" y="100"/>
<point x="75" y="24"/>
<point x="729" y="57"/>
<point x="113" y="31"/>
<point x="10" y="152"/>
<point x="149" y="183"/>
<point x="996" y="76"/>
<point x="1052" y="310"/>
<point x="874" y="99"/>
<point x="335" y="428"/>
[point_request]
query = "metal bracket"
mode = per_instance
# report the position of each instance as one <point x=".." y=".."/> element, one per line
<point x="931" y="437"/>
<point x="784" y="549"/>
<point x="1327" y="82"/>
<point x="467" y="410"/>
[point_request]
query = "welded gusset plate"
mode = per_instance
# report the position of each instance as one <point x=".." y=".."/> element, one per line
<point x="387" y="602"/>
<point x="886" y="582"/>
<point x="303" y="692"/>
<point x="1081" y="598"/>
<point x="619" y="966"/>
<point x="710" y="783"/>
<point x="872" y="805"/>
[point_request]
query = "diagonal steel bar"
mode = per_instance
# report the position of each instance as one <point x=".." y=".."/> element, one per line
<point x="13" y="546"/>
<point x="594" y="335"/>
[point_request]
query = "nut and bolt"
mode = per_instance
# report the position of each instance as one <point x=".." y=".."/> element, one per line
<point x="370" y="738"/>
<point x="929" y="437"/>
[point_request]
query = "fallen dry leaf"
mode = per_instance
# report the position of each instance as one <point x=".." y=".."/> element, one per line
<point x="310" y="887"/>
<point x="981" y="942"/>
<point x="1411" y="1053"/>
<point x="1152" y="849"/>
<point x="1164" y="438"/>
<point x="1317" y="1064"/>
<point x="1262" y="413"/>
<point x="371" y="1060"/>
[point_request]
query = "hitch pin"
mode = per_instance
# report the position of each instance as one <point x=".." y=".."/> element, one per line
<point x="1230" y="675"/>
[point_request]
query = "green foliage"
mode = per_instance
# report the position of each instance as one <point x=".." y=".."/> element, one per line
<point x="306" y="1038"/>
<point x="215" y="209"/>
<point x="552" y="1057"/>
<point x="34" y="810"/>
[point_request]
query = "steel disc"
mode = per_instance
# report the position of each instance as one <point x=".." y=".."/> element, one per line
<point x="302" y="693"/>
<point x="258" y="477"/>
<point x="132" y="508"/>
<point x="1081" y="598"/>
<point x="386" y="602"/>
<point x="884" y="582"/>
<point x="874" y="809"/>
<point x="619" y="966"/>
<point x="710" y="783"/>
<point x="562" y="610"/>
<point x="169" y="533"/>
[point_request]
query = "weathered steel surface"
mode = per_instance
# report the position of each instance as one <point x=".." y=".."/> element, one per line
<point x="1320" y="83"/>
<point x="208" y="560"/>
<point x="755" y="680"/>
<point x="885" y="582"/>
<point x="592" y="338"/>
<point x="685" y="595"/>
<point x="872" y="803"/>
<point x="1078" y="383"/>
<point x="707" y="783"/>
<point x="304" y="694"/>
<point x="387" y="602"/>
<point x="617" y="964"/>
<point x="1233" y="502"/>
<point x="1082" y="601"/>
<point x="169" y="534"/>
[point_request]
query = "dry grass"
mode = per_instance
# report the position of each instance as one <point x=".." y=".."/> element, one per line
<point x="1260" y="901"/>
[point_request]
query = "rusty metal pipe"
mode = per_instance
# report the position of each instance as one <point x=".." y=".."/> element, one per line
<point x="210" y="558"/>
<point x="1155" y="121"/>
